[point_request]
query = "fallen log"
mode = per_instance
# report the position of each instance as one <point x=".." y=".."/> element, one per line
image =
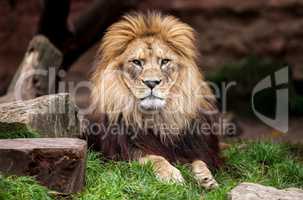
<point x="48" y="116"/>
<point x="58" y="164"/>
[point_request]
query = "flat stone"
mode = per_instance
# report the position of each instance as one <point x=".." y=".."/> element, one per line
<point x="252" y="191"/>
<point x="57" y="163"/>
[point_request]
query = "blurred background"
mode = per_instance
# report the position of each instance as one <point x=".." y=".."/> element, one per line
<point x="241" y="41"/>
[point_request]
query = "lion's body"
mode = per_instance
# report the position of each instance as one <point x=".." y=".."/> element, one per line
<point x="120" y="142"/>
<point x="153" y="101"/>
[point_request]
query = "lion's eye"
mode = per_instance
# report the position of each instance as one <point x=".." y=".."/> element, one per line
<point x="164" y="61"/>
<point x="137" y="62"/>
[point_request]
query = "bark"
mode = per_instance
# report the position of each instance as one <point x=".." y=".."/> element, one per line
<point x="53" y="22"/>
<point x="49" y="116"/>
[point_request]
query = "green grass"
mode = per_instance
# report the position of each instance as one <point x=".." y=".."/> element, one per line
<point x="21" y="188"/>
<point x="123" y="180"/>
<point x="264" y="163"/>
<point x="260" y="162"/>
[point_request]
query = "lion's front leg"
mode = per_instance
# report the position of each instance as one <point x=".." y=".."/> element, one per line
<point x="164" y="170"/>
<point x="203" y="175"/>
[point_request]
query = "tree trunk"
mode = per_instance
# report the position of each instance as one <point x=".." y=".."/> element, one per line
<point x="44" y="58"/>
<point x="37" y="72"/>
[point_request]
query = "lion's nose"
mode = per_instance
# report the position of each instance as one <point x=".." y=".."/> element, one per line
<point x="152" y="83"/>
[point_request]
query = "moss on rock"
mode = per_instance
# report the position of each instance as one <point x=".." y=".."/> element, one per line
<point x="16" y="130"/>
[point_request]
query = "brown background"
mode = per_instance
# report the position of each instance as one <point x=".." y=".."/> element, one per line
<point x="229" y="30"/>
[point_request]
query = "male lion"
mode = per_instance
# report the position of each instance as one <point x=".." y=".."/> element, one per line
<point x="155" y="105"/>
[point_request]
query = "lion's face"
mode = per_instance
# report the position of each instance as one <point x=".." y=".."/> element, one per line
<point x="150" y="70"/>
<point x="160" y="80"/>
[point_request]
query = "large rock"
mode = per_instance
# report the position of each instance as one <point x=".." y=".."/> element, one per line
<point x="57" y="163"/>
<point x="252" y="191"/>
<point x="50" y="116"/>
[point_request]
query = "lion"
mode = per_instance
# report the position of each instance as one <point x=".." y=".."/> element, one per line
<point x="152" y="101"/>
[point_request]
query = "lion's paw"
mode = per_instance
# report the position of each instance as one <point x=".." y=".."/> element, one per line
<point x="203" y="175"/>
<point x="170" y="174"/>
<point x="208" y="182"/>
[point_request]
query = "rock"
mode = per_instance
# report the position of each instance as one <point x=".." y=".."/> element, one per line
<point x="252" y="191"/>
<point x="58" y="164"/>
<point x="49" y="116"/>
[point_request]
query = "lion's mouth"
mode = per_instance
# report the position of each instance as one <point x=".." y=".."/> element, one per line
<point x="152" y="102"/>
<point x="151" y="96"/>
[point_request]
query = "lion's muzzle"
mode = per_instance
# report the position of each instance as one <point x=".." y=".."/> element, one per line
<point x="152" y="103"/>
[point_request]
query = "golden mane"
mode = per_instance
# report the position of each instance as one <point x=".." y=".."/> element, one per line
<point x="190" y="94"/>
